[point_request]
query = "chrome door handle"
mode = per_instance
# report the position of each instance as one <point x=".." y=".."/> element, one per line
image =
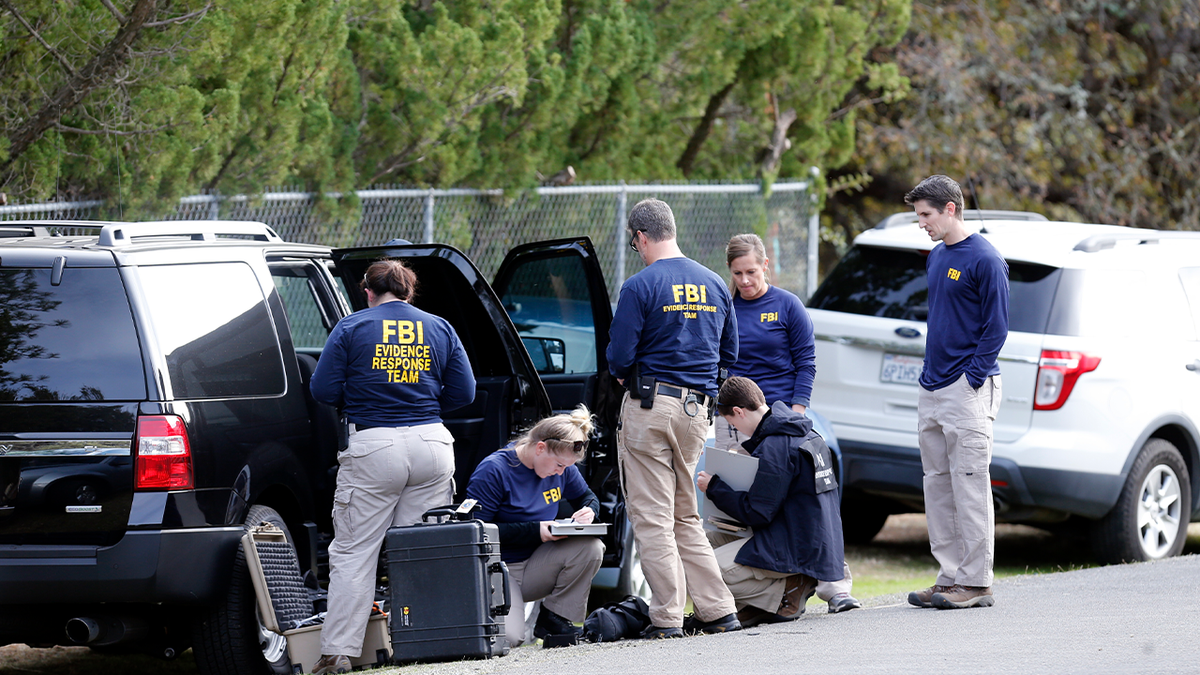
<point x="1194" y="365"/>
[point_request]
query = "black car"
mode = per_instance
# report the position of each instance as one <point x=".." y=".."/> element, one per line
<point x="154" y="401"/>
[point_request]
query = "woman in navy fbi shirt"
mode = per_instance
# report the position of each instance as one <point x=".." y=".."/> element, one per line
<point x="520" y="488"/>
<point x="393" y="369"/>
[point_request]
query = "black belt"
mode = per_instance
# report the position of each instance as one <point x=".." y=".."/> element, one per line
<point x="364" y="427"/>
<point x="682" y="392"/>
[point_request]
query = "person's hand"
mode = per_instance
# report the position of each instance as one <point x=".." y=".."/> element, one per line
<point x="546" y="536"/>
<point x="702" y="480"/>
<point x="799" y="408"/>
<point x="584" y="516"/>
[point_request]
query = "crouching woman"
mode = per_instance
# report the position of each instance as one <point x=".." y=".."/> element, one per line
<point x="791" y="507"/>
<point x="520" y="488"/>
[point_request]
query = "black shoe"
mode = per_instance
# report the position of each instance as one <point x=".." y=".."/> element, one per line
<point x="692" y="625"/>
<point x="549" y="623"/>
<point x="655" y="633"/>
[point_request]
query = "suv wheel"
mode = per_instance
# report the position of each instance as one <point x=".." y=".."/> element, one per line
<point x="231" y="638"/>
<point x="1151" y="516"/>
<point x="863" y="516"/>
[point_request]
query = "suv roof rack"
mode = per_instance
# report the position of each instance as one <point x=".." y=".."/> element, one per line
<point x="1099" y="242"/>
<point x="124" y="234"/>
<point x="908" y="217"/>
<point x="7" y="231"/>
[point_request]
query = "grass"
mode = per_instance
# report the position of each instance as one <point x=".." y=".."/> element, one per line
<point x="896" y="562"/>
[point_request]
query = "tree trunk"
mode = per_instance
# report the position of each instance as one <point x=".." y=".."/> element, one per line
<point x="102" y="67"/>
<point x="779" y="143"/>
<point x="688" y="158"/>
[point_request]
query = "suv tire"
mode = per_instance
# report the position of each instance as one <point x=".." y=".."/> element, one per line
<point x="1140" y="527"/>
<point x="230" y="639"/>
<point x="863" y="516"/>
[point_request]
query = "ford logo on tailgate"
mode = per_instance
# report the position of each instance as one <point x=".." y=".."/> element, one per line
<point x="908" y="332"/>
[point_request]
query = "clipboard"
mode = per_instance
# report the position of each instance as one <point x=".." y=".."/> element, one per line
<point x="568" y="528"/>
<point x="737" y="471"/>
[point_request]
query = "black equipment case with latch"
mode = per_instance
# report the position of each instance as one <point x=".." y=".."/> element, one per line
<point x="449" y="590"/>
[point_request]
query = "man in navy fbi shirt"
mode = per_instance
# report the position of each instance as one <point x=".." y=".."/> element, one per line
<point x="672" y="330"/>
<point x="959" y="396"/>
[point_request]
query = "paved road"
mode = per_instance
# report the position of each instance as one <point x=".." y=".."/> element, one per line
<point x="1142" y="618"/>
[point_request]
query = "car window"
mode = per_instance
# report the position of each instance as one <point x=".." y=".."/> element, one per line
<point x="68" y="342"/>
<point x="213" y="327"/>
<point x="548" y="298"/>
<point x="310" y="323"/>
<point x="891" y="283"/>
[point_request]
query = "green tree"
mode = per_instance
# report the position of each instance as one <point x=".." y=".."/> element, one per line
<point x="1080" y="110"/>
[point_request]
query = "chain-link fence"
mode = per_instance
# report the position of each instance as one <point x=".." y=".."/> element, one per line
<point x="485" y="224"/>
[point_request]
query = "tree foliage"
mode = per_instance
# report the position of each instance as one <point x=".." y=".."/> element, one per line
<point x="1084" y="110"/>
<point x="238" y="95"/>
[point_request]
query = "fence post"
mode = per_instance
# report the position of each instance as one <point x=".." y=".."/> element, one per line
<point x="429" y="217"/>
<point x="214" y="207"/>
<point x="814" y="244"/>
<point x="619" y="237"/>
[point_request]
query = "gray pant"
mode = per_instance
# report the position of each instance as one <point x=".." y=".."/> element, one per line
<point x="955" y="435"/>
<point x="729" y="438"/>
<point x="388" y="477"/>
<point x="743" y="581"/>
<point x="657" y="451"/>
<point x="560" y="572"/>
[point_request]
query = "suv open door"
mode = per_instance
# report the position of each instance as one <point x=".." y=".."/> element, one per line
<point x="509" y="396"/>
<point x="554" y="291"/>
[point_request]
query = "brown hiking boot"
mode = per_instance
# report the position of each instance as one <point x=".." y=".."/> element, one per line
<point x="750" y="616"/>
<point x="327" y="665"/>
<point x="797" y="589"/>
<point x="961" y="597"/>
<point x="924" y="597"/>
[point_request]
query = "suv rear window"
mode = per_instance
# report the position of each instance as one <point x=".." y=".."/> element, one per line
<point x="213" y="326"/>
<point x="891" y="283"/>
<point x="71" y="342"/>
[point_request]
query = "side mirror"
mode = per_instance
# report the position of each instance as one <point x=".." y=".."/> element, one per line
<point x="549" y="355"/>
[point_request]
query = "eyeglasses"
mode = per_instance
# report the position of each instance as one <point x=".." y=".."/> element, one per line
<point x="633" y="239"/>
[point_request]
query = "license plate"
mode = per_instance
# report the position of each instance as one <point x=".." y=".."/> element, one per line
<point x="901" y="369"/>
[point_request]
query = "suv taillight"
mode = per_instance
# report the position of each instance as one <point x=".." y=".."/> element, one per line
<point x="1057" y="372"/>
<point x="163" y="454"/>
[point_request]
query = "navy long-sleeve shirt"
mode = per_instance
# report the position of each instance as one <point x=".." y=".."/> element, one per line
<point x="394" y="365"/>
<point x="675" y="320"/>
<point x="776" y="348"/>
<point x="968" y="313"/>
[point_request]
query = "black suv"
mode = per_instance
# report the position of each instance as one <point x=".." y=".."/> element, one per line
<point x="154" y="401"/>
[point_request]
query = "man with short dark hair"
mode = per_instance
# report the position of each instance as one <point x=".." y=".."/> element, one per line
<point x="959" y="396"/>
<point x="672" y="330"/>
<point x="792" y="507"/>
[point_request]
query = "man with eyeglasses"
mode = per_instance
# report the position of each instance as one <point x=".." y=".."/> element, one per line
<point x="672" y="332"/>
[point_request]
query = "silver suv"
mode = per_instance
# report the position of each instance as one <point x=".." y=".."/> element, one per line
<point x="1101" y="370"/>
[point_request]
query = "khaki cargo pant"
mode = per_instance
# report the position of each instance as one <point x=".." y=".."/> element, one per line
<point x="728" y="438"/>
<point x="388" y="477"/>
<point x="559" y="573"/>
<point x="955" y="435"/>
<point x="657" y="450"/>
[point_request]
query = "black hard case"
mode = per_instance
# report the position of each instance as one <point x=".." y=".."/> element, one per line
<point x="449" y="590"/>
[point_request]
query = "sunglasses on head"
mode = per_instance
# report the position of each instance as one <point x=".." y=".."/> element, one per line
<point x="576" y="446"/>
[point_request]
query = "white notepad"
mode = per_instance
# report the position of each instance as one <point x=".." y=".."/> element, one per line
<point x="737" y="471"/>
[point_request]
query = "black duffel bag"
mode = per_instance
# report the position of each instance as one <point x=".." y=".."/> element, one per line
<point x="617" y="620"/>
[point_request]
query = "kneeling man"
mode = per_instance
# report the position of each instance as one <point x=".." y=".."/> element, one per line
<point x="792" y="508"/>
